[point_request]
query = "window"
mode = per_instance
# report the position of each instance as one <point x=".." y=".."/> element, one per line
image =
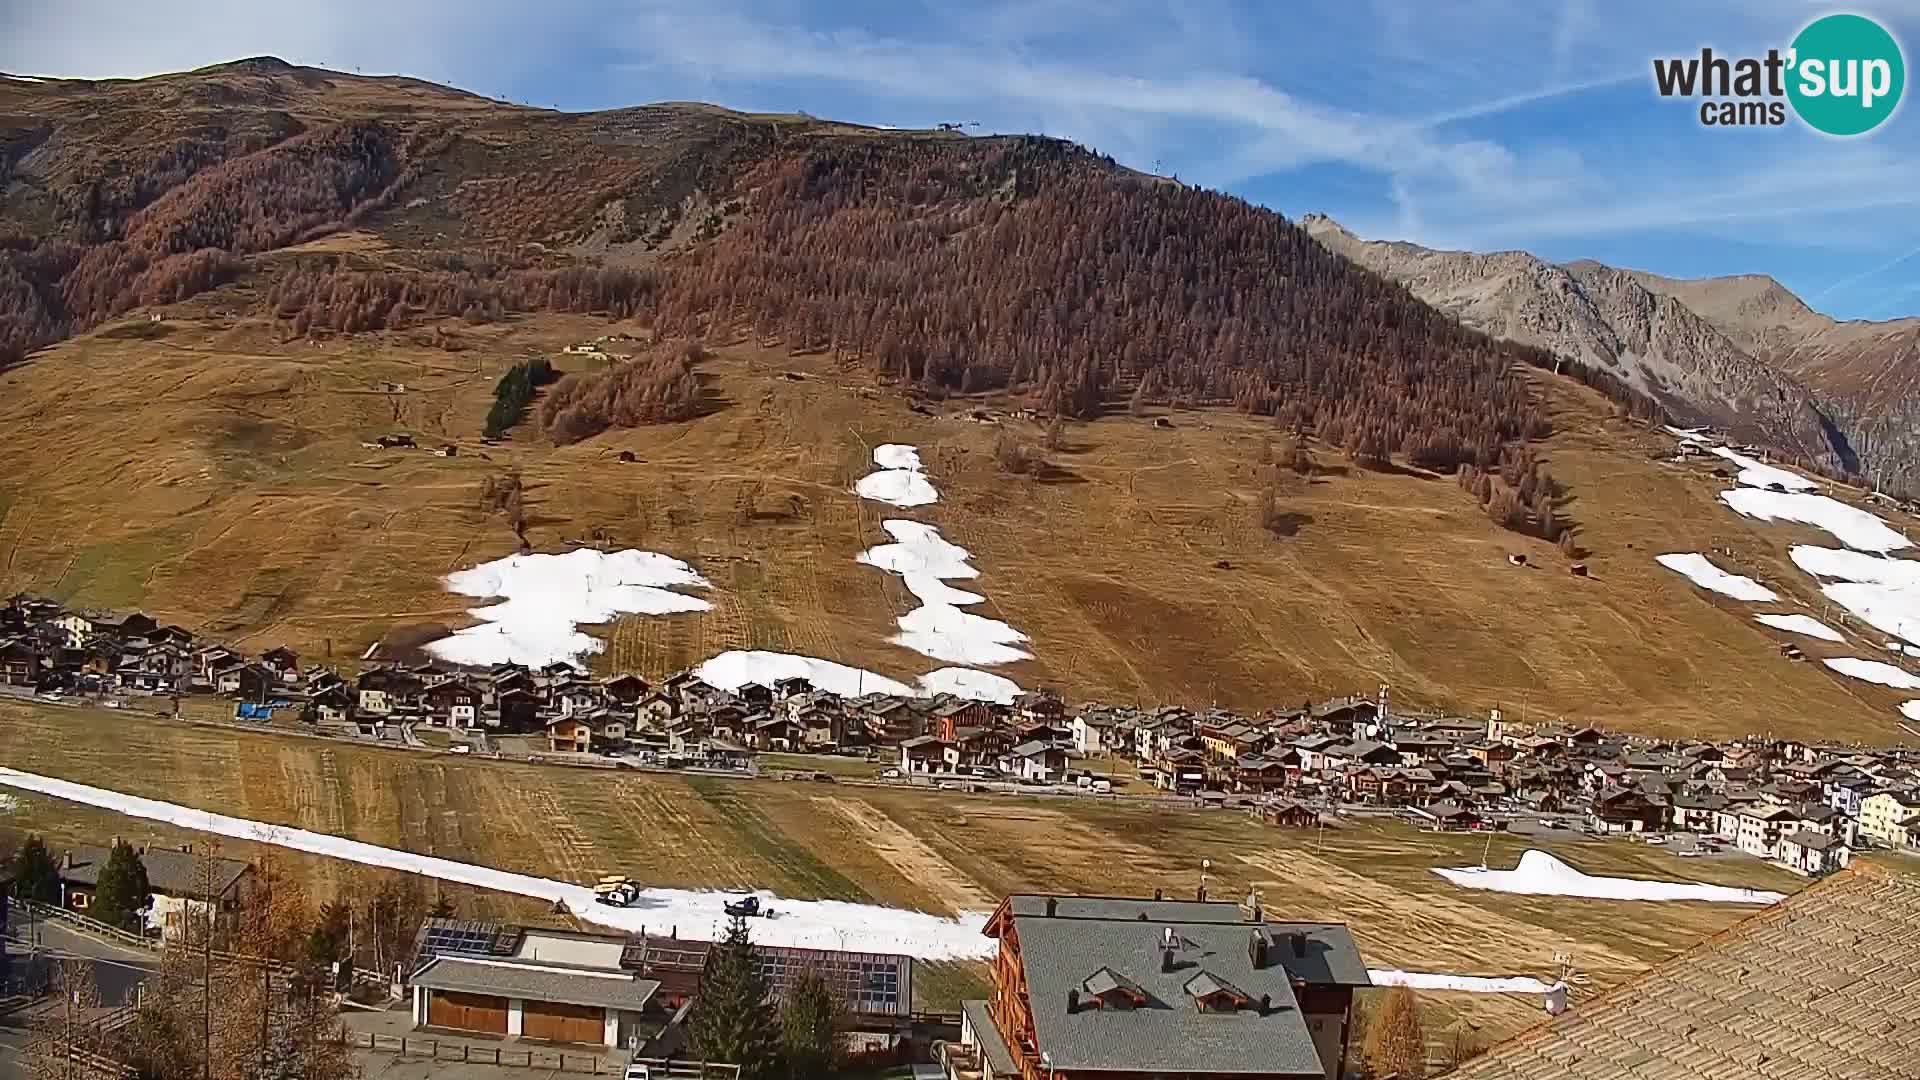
<point x="80" y="901"/>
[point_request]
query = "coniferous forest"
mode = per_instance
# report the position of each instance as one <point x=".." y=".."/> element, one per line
<point x="1025" y="265"/>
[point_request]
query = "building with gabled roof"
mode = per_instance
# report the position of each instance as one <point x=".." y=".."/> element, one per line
<point x="1117" y="988"/>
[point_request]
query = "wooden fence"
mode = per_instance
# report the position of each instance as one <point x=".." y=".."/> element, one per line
<point x="530" y="1057"/>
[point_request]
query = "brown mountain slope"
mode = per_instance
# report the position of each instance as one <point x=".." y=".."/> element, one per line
<point x="216" y="475"/>
<point x="1614" y="320"/>
<point x="367" y="255"/>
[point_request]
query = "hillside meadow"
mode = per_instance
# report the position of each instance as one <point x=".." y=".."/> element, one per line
<point x="217" y="476"/>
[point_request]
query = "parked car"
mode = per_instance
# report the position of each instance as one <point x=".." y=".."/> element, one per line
<point x="1102" y="787"/>
<point x="947" y="785"/>
<point x="460" y="748"/>
<point x="890" y="774"/>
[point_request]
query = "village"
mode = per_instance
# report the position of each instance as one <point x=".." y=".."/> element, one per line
<point x="1804" y="806"/>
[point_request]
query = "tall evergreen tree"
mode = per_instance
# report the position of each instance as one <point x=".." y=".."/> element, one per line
<point x="811" y="1019"/>
<point x="122" y="893"/>
<point x="732" y="1019"/>
<point x="35" y="875"/>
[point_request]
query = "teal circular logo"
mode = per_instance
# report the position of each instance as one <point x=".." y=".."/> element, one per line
<point x="1847" y="75"/>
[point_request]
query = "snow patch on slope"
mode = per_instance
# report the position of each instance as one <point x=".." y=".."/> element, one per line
<point x="731" y="670"/>
<point x="1759" y="474"/>
<point x="1540" y="874"/>
<point x="1851" y="526"/>
<point x="968" y="683"/>
<point x="1701" y="571"/>
<point x="900" y="480"/>
<point x="545" y="598"/>
<point x="1801" y="624"/>
<point x="813" y="924"/>
<point x="1874" y="671"/>
<point x="938" y="628"/>
<point x="1884" y="592"/>
<point x="1477" y="984"/>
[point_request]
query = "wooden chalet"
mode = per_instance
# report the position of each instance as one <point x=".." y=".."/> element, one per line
<point x="1286" y="813"/>
<point x="19" y="663"/>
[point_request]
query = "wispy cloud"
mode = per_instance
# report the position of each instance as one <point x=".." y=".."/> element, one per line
<point x="1866" y="275"/>
<point x="1476" y="123"/>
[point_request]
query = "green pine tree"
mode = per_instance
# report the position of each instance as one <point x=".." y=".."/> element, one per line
<point x="35" y="875"/>
<point x="123" y="892"/>
<point x="811" y="1019"/>
<point x="732" y="1021"/>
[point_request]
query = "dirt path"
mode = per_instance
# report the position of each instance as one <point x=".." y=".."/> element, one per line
<point x="910" y="856"/>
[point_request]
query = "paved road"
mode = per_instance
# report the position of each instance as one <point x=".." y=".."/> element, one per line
<point x="117" y="970"/>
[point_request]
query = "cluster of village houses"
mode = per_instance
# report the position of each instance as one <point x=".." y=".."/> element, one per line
<point x="1806" y="806"/>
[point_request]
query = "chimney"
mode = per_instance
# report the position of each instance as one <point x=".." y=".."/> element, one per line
<point x="1157" y="895"/>
<point x="1266" y="1004"/>
<point x="1167" y="947"/>
<point x="1073" y="1001"/>
<point x="1053" y="907"/>
<point x="1257" y="950"/>
<point x="66" y="860"/>
<point x="1299" y="942"/>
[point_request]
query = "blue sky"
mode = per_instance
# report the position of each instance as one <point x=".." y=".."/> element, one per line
<point x="1474" y="124"/>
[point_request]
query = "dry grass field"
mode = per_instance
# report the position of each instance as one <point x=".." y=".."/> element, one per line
<point x="214" y="475"/>
<point x="942" y="852"/>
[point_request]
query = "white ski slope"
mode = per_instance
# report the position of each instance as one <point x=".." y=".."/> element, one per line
<point x="1540" y="874"/>
<point x="1427" y="980"/>
<point x="813" y="924"/>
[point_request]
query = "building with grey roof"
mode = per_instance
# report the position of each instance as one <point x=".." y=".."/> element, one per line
<point x="184" y="884"/>
<point x="1114" y="987"/>
<point x="532" y="999"/>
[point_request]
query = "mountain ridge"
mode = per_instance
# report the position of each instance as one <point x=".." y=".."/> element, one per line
<point x="279" y="270"/>
<point x="1741" y="351"/>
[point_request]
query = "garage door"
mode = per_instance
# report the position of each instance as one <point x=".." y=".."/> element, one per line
<point x="467" y="1012"/>
<point x="556" y="1022"/>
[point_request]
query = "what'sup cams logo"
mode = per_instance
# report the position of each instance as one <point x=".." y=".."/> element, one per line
<point x="1842" y="75"/>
